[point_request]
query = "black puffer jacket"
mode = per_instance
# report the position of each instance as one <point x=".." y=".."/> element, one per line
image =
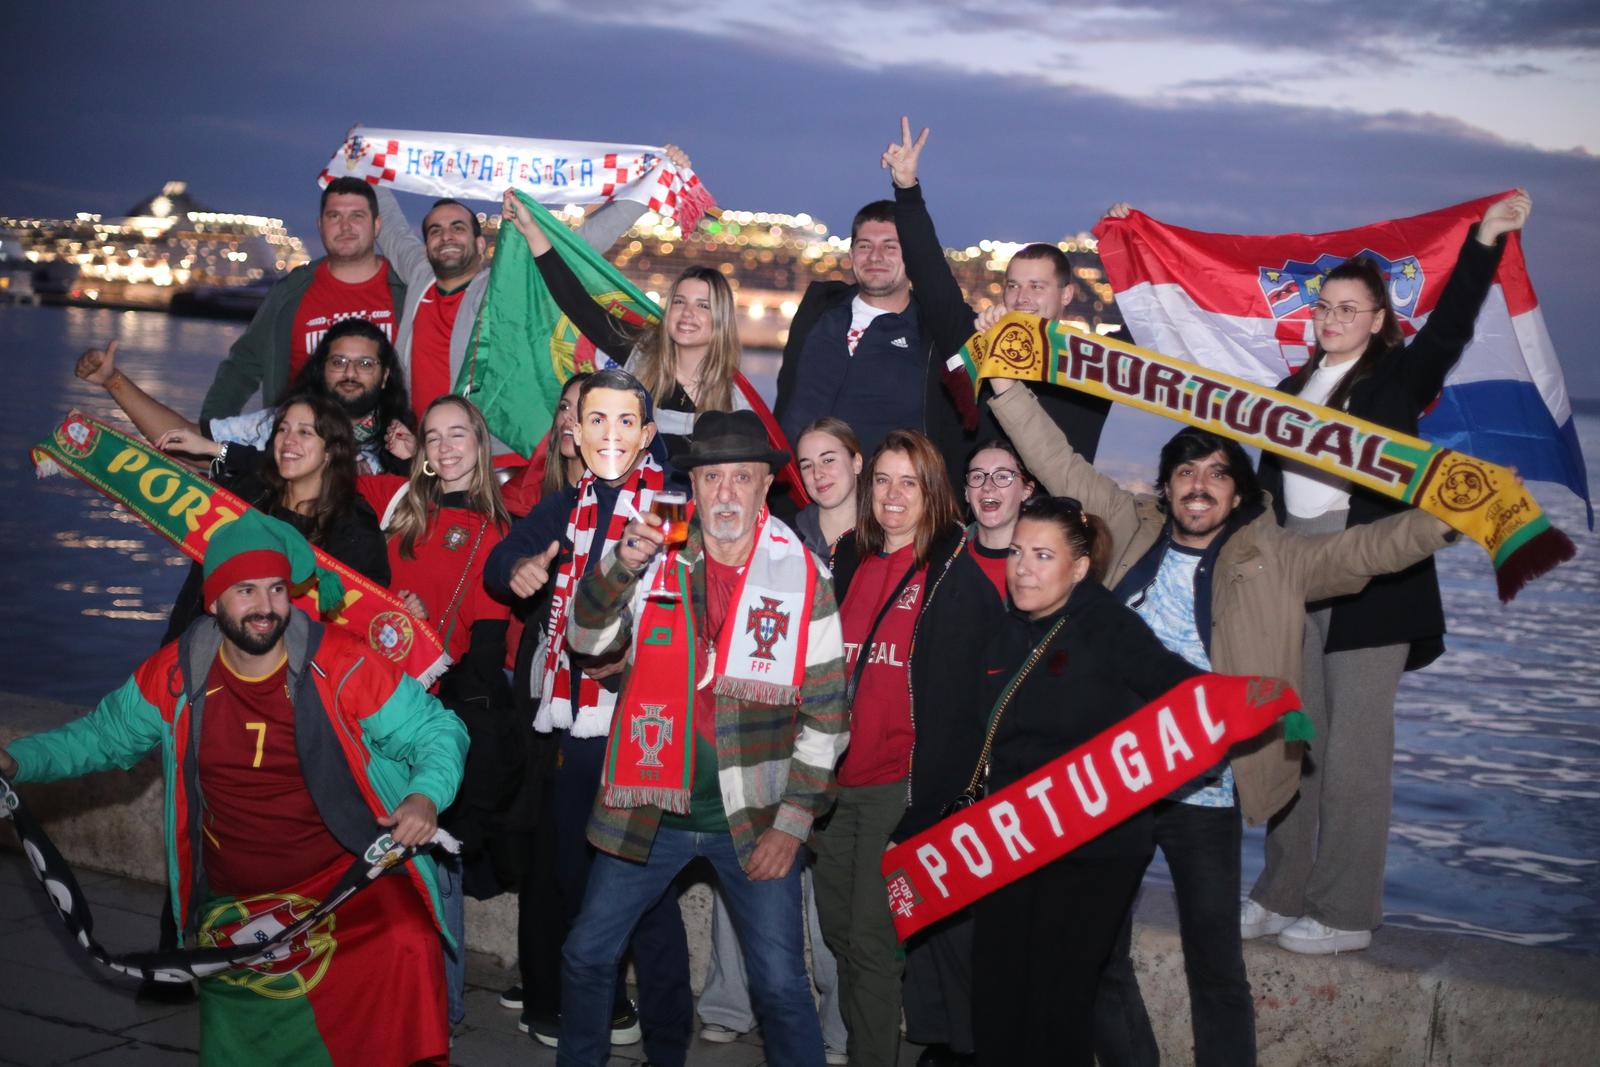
<point x="1101" y="666"/>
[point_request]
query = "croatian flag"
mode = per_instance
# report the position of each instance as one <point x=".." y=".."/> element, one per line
<point x="1242" y="305"/>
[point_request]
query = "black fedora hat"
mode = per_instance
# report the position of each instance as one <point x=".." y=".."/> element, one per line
<point x="728" y="437"/>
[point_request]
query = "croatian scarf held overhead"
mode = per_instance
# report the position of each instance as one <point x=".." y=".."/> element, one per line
<point x="592" y="715"/>
<point x="482" y="166"/>
<point x="1484" y="501"/>
<point x="760" y="658"/>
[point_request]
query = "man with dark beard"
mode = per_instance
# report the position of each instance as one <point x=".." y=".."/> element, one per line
<point x="446" y="277"/>
<point x="287" y="745"/>
<point x="1206" y="565"/>
<point x="867" y="353"/>
<point x="354" y="362"/>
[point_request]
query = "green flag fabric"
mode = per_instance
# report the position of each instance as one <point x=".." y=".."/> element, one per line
<point x="523" y="348"/>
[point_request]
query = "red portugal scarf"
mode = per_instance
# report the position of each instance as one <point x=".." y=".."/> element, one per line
<point x="590" y="716"/>
<point x="760" y="658"/>
<point x="1077" y="797"/>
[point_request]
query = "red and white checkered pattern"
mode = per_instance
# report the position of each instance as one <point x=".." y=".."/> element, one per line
<point x="475" y="167"/>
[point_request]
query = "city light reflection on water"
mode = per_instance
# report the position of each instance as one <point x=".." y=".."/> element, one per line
<point x="1496" y="827"/>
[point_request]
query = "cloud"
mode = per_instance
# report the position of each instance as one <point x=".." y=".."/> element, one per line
<point x="1518" y="70"/>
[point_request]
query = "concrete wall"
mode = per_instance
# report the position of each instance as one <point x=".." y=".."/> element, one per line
<point x="1414" y="998"/>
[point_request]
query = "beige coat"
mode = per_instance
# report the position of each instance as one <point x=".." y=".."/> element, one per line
<point x="1264" y="576"/>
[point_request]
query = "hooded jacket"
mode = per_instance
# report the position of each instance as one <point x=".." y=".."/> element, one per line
<point x="368" y="735"/>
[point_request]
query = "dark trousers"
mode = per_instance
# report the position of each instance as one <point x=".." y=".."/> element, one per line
<point x="552" y="893"/>
<point x="1039" y="945"/>
<point x="1201" y="847"/>
<point x="938" y="985"/>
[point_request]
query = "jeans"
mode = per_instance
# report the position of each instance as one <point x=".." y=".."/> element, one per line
<point x="1201" y="846"/>
<point x="766" y="915"/>
<point x="726" y="997"/>
<point x="454" y="905"/>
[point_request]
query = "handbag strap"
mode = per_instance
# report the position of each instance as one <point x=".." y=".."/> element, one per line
<point x="981" y="771"/>
<point x="450" y="611"/>
<point x="864" y="652"/>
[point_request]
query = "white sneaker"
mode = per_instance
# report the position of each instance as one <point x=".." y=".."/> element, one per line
<point x="719" y="1034"/>
<point x="834" y="1058"/>
<point x="1310" y="938"/>
<point x="1256" y="921"/>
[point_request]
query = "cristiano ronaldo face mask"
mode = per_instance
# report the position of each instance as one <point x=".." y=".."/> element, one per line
<point x="612" y="432"/>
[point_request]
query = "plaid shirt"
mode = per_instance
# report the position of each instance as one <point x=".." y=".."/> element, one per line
<point x="774" y="764"/>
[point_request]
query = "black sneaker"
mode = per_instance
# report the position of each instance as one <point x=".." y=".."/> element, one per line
<point x="512" y="998"/>
<point x="546" y="1031"/>
<point x="625" y="1028"/>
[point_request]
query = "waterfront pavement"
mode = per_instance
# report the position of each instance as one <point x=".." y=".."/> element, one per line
<point x="57" y="1007"/>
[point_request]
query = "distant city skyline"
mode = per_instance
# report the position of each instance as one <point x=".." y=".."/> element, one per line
<point x="1218" y="116"/>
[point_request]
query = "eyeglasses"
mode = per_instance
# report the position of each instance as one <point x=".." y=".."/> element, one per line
<point x="362" y="363"/>
<point x="1343" y="313"/>
<point x="1000" y="476"/>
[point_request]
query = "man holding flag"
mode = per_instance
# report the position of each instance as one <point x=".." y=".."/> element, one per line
<point x="447" y="275"/>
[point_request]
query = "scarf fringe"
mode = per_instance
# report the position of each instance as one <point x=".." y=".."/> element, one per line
<point x="666" y="798"/>
<point x="958" y="383"/>
<point x="1297" y="727"/>
<point x="749" y="690"/>
<point x="1544" y="552"/>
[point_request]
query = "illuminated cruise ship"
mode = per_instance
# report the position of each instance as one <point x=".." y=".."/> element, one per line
<point x="167" y="244"/>
<point x="170" y="252"/>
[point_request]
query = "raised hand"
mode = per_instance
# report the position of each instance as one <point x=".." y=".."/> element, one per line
<point x="677" y="156"/>
<point x="399" y="441"/>
<point x="511" y="211"/>
<point x="187" y="442"/>
<point x="1119" y="210"/>
<point x="1505" y="215"/>
<point x="531" y="573"/>
<point x="901" y="159"/>
<point x="641" y="539"/>
<point x="988" y="317"/>
<point x="98" y="366"/>
<point x="413" y="603"/>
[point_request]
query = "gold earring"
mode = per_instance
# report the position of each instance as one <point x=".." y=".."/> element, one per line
<point x="427" y="468"/>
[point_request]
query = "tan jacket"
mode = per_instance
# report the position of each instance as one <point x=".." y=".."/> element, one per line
<point x="1264" y="576"/>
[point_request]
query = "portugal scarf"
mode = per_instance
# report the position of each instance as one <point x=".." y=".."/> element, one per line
<point x="187" y="509"/>
<point x="1077" y="797"/>
<point x="1482" y="500"/>
<point x="592" y="715"/>
<point x="760" y="658"/>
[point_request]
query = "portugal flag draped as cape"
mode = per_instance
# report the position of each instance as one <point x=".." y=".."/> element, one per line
<point x="524" y="349"/>
<point x="1241" y="304"/>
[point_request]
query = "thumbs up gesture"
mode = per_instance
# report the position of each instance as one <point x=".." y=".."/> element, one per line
<point x="532" y="572"/>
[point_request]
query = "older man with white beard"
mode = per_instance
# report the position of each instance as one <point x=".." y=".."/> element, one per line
<point x="723" y="743"/>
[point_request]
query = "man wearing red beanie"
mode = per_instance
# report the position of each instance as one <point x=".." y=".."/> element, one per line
<point x="286" y="746"/>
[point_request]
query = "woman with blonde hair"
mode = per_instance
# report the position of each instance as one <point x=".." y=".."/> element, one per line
<point x="441" y="522"/>
<point x="689" y="361"/>
<point x="917" y="608"/>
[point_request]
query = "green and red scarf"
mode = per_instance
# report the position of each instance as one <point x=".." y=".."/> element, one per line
<point x="187" y="510"/>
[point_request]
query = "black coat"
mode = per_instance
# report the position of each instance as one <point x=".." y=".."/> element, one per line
<point x="1101" y="666"/>
<point x="959" y="611"/>
<point x="940" y="419"/>
<point x="1404" y="607"/>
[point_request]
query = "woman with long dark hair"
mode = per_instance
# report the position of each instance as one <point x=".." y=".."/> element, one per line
<point x="307" y="478"/>
<point x="1321" y="889"/>
<point x="916" y="604"/>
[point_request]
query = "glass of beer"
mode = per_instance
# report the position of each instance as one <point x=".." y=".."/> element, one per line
<point x="673" y="510"/>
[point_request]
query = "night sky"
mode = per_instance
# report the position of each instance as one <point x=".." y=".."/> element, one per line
<point x="1223" y="116"/>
